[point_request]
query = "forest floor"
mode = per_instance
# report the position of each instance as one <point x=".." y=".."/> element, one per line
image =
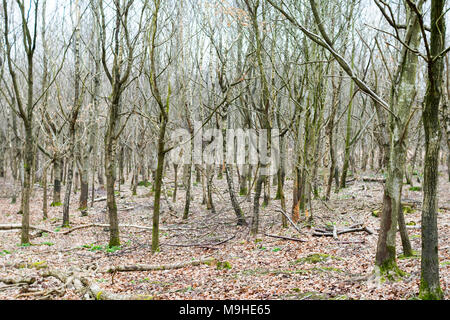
<point x="249" y="268"/>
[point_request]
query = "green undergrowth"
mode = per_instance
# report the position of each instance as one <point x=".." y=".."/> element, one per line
<point x="144" y="183"/>
<point x="416" y="255"/>
<point x="106" y="248"/>
<point x="315" y="258"/>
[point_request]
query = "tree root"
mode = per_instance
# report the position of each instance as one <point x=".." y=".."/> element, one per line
<point x="12" y="281"/>
<point x="88" y="289"/>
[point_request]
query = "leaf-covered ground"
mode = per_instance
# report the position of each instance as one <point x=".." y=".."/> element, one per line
<point x="248" y="268"/>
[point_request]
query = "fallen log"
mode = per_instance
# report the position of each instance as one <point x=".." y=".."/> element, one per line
<point x="144" y="267"/>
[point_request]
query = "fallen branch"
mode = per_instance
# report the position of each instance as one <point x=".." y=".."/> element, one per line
<point x="290" y="220"/>
<point x="4" y="227"/>
<point x="322" y="233"/>
<point x="381" y="180"/>
<point x="350" y="242"/>
<point x="100" y="225"/>
<point x="100" y="199"/>
<point x="125" y="209"/>
<point x="205" y="246"/>
<point x="143" y="267"/>
<point x="284" y="238"/>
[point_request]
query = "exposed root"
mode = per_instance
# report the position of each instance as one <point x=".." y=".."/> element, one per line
<point x="381" y="275"/>
<point x="87" y="289"/>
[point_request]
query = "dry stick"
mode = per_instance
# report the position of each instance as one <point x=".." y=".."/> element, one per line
<point x="335" y="236"/>
<point x="126" y="209"/>
<point x="284" y="238"/>
<point x="330" y="234"/>
<point x="290" y="220"/>
<point x="100" y="199"/>
<point x="97" y="225"/>
<point x="349" y="242"/>
<point x="19" y="226"/>
<point x="206" y="245"/>
<point x="143" y="267"/>
<point x="382" y="180"/>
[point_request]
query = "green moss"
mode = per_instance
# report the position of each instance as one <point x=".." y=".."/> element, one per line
<point x="332" y="269"/>
<point x="389" y="271"/>
<point x="24" y="245"/>
<point x="221" y="265"/>
<point x="243" y="191"/>
<point x="408" y="209"/>
<point x="315" y="258"/>
<point x="56" y="204"/>
<point x="112" y="249"/>
<point x="96" y="248"/>
<point x="99" y="296"/>
<point x="416" y="255"/>
<point x="39" y="265"/>
<point x="427" y="293"/>
<point x="415" y="189"/>
<point x="4" y="252"/>
<point x="411" y="223"/>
